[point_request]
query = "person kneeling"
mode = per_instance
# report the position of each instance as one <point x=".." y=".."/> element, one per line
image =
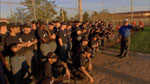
<point x="56" y="71"/>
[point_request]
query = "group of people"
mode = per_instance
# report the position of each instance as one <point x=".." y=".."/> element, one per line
<point x="55" y="52"/>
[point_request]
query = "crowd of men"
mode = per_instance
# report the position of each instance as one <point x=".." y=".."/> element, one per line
<point x="55" y="52"/>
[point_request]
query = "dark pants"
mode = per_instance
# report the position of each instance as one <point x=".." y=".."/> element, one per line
<point x="19" y="68"/>
<point x="125" y="44"/>
<point x="64" y="53"/>
<point x="2" y="76"/>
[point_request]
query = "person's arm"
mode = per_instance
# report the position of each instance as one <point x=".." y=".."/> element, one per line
<point x="67" y="69"/>
<point x="32" y="43"/>
<point x="60" y="42"/>
<point x="18" y="47"/>
<point x="87" y="74"/>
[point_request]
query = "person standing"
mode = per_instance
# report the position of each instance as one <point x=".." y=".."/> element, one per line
<point x="3" y="31"/>
<point x="124" y="32"/>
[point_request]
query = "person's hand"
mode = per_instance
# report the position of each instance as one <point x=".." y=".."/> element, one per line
<point x="68" y="74"/>
<point x="53" y="36"/>
<point x="91" y="80"/>
<point x="29" y="44"/>
<point x="118" y="40"/>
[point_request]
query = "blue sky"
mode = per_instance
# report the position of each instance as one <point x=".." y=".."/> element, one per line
<point x="95" y="5"/>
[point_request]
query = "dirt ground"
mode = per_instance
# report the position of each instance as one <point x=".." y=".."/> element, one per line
<point x="110" y="69"/>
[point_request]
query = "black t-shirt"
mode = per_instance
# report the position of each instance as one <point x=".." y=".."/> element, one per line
<point x="83" y="61"/>
<point x="48" y="70"/>
<point x="69" y="34"/>
<point x="93" y="42"/>
<point x="42" y="34"/>
<point x="13" y="41"/>
<point x="63" y="34"/>
<point x="3" y="37"/>
<point x="28" y="38"/>
<point x="58" y="68"/>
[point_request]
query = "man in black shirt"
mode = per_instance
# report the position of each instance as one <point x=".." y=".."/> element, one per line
<point x="44" y="39"/>
<point x="17" y="55"/>
<point x="53" y="37"/>
<point x="55" y="70"/>
<point x="3" y="31"/>
<point x="29" y="38"/>
<point x="85" y="65"/>
<point x="62" y="38"/>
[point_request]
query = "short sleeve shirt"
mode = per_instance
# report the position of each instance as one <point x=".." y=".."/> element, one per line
<point x="28" y="38"/>
<point x="13" y="41"/>
<point x="63" y="34"/>
<point x="125" y="31"/>
<point x="42" y="34"/>
<point x="83" y="61"/>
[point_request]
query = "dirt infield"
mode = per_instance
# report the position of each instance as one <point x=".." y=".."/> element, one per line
<point x="109" y="69"/>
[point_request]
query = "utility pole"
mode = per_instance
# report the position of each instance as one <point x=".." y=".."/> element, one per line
<point x="77" y="9"/>
<point x="114" y="12"/>
<point x="62" y="14"/>
<point x="10" y="8"/>
<point x="131" y="10"/>
<point x="34" y="12"/>
<point x="80" y="10"/>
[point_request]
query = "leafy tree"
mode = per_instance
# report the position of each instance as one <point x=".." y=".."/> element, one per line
<point x="60" y="17"/>
<point x="85" y="16"/>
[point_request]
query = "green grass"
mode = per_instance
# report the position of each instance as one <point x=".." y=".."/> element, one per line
<point x="140" y="41"/>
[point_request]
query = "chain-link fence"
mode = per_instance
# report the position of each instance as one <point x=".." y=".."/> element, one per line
<point x="18" y="9"/>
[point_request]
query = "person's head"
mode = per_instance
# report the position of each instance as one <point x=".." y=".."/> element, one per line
<point x="50" y="25"/>
<point x="126" y="22"/>
<point x="3" y="27"/>
<point x="34" y="25"/>
<point x="63" y="25"/>
<point x="85" y="41"/>
<point x="69" y="25"/>
<point x="58" y="24"/>
<point x="27" y="28"/>
<point x="18" y="27"/>
<point x="52" y="57"/>
<point x="42" y="25"/>
<point x="11" y="28"/>
<point x="88" y="52"/>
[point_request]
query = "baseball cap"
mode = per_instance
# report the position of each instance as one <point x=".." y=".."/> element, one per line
<point x="85" y="39"/>
<point x="11" y="25"/>
<point x="126" y="20"/>
<point x="3" y="24"/>
<point x="88" y="49"/>
<point x="51" y="55"/>
<point x="26" y="25"/>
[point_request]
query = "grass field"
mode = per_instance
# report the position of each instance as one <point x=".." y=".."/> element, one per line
<point x="140" y="41"/>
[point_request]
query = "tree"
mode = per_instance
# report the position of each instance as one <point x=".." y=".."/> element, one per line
<point x="20" y="15"/>
<point x="44" y="9"/>
<point x="62" y="15"/>
<point x="85" y="16"/>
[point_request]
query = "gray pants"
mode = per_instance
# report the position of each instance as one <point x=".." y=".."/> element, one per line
<point x="125" y="45"/>
<point x="19" y="68"/>
<point x="53" y="46"/>
<point x="45" y="49"/>
<point x="29" y="54"/>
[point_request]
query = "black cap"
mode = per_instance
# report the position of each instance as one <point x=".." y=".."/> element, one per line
<point x="50" y="23"/>
<point x="85" y="39"/>
<point x="26" y="25"/>
<point x="88" y="49"/>
<point x="63" y="23"/>
<point x="3" y="24"/>
<point x="11" y="25"/>
<point x="51" y="55"/>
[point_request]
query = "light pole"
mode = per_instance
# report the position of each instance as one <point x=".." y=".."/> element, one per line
<point x="34" y="12"/>
<point x="80" y="10"/>
<point x="131" y="10"/>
